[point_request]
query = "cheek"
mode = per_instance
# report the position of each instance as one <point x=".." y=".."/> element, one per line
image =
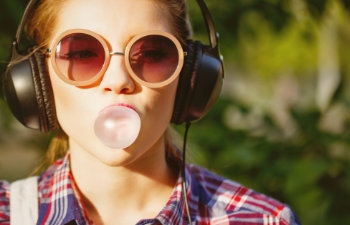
<point x="162" y="104"/>
<point x="63" y="97"/>
<point x="156" y="114"/>
<point x="69" y="103"/>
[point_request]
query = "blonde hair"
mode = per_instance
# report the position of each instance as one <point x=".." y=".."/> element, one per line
<point x="39" y="28"/>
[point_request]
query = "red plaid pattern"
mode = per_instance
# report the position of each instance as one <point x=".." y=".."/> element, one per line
<point x="212" y="200"/>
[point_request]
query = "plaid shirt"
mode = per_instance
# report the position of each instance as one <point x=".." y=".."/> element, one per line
<point x="212" y="200"/>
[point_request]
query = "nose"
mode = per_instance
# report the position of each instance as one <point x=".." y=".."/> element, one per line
<point x="116" y="78"/>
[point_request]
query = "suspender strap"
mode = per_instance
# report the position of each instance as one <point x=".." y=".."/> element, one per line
<point x="24" y="201"/>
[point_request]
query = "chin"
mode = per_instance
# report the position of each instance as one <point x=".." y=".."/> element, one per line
<point x="114" y="157"/>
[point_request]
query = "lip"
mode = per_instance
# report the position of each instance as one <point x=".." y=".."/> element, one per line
<point x="119" y="104"/>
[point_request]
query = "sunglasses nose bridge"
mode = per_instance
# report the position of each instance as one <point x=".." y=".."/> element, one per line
<point x="116" y="77"/>
<point x="116" y="53"/>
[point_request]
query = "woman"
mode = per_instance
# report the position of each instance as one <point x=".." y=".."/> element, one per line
<point x="97" y="182"/>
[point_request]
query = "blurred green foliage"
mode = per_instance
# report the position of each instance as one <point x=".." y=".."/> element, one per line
<point x="282" y="124"/>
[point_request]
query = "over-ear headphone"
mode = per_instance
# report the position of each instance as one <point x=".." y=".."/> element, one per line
<point x="201" y="76"/>
<point x="27" y="86"/>
<point x="29" y="94"/>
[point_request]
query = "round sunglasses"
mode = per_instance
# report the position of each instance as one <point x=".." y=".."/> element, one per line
<point x="81" y="57"/>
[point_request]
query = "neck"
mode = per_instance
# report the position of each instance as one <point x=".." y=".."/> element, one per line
<point x="142" y="187"/>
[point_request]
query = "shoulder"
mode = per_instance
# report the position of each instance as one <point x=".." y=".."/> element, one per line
<point x="229" y="200"/>
<point x="4" y="202"/>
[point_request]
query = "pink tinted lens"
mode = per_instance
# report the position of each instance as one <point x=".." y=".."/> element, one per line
<point x="154" y="58"/>
<point x="79" y="56"/>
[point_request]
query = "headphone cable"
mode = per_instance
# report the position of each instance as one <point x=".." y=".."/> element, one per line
<point x="183" y="172"/>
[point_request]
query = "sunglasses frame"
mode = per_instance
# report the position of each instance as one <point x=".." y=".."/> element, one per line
<point x="108" y="53"/>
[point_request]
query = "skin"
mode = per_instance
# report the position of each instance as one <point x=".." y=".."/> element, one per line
<point x="118" y="186"/>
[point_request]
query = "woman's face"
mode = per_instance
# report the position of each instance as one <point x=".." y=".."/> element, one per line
<point x="77" y="108"/>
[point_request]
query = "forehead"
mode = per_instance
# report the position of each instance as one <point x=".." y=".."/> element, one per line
<point x="116" y="20"/>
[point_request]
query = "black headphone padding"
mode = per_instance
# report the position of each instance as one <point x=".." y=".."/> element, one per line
<point x="43" y="89"/>
<point x="183" y="99"/>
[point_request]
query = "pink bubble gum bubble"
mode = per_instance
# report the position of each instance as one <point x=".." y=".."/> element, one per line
<point x="117" y="126"/>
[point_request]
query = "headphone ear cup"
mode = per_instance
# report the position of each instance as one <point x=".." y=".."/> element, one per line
<point x="199" y="84"/>
<point x="29" y="94"/>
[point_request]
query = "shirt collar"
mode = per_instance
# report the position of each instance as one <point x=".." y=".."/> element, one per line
<point x="175" y="210"/>
<point x="60" y="203"/>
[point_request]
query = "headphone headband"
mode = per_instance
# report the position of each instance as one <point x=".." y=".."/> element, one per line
<point x="213" y="35"/>
<point x="25" y="16"/>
